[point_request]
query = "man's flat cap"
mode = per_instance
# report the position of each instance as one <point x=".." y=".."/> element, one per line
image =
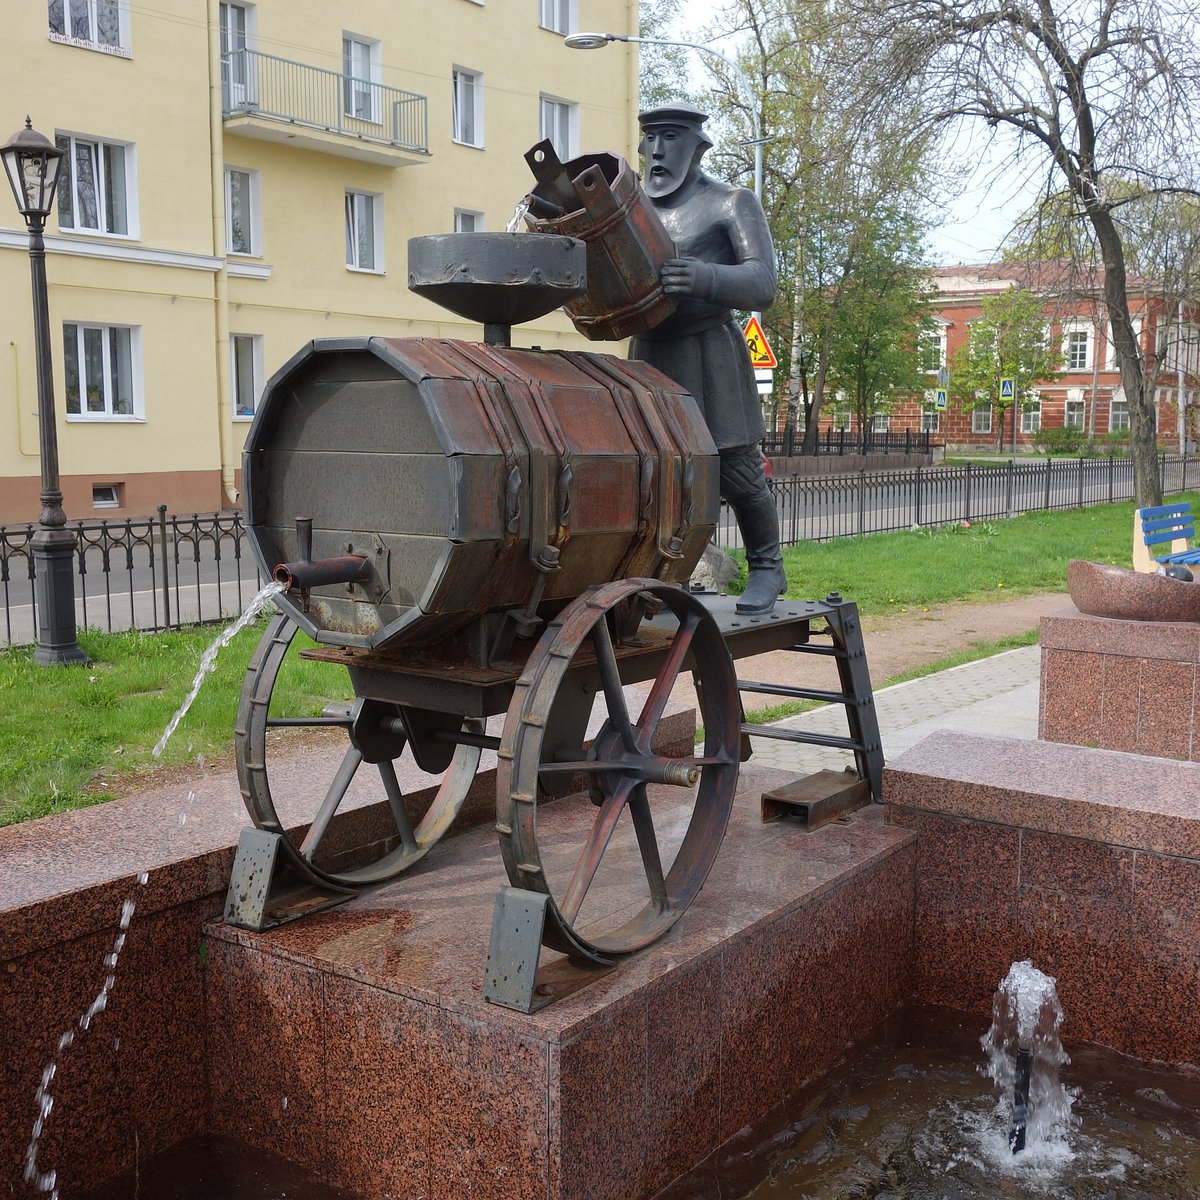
<point x="673" y="114"/>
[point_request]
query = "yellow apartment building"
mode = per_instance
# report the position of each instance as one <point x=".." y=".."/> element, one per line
<point x="240" y="178"/>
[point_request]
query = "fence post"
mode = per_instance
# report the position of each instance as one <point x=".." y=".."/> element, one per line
<point x="1110" y="479"/>
<point x="1183" y="481"/>
<point x="967" y="505"/>
<point x="862" y="499"/>
<point x="162" y="556"/>
<point x="1009" y="487"/>
<point x="1079" y="493"/>
<point x="1162" y="472"/>
<point x="908" y="441"/>
<point x="1046" y="501"/>
<point x="920" y="480"/>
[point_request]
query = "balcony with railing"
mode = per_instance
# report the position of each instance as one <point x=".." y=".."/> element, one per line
<point x="278" y="100"/>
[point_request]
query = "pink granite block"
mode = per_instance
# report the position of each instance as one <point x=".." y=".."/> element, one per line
<point x="266" y="1037"/>
<point x="683" y="1070"/>
<point x="489" y="1118"/>
<point x="378" y="1092"/>
<point x="1120" y="685"/>
<point x="1131" y="800"/>
<point x="1076" y="867"/>
<point x="1167" y="961"/>
<point x="599" y="1112"/>
<point x="1070" y="707"/>
<point x="1071" y="630"/>
<point x="1166" y="709"/>
<point x="1086" y="943"/>
<point x="959" y="859"/>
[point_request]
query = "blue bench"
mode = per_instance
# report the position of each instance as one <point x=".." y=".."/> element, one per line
<point x="1166" y="527"/>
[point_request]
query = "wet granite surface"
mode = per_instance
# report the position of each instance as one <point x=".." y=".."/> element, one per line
<point x="1086" y="861"/>
<point x="1103" y="590"/>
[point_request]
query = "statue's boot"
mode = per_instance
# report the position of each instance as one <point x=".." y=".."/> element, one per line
<point x="758" y="520"/>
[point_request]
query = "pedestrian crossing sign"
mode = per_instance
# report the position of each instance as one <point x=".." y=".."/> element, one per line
<point x="761" y="354"/>
<point x="940" y="402"/>
<point x="1008" y="389"/>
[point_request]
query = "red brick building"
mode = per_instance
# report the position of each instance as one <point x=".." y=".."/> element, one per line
<point x="1087" y="396"/>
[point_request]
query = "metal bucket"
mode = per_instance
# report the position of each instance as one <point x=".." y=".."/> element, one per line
<point x="626" y="242"/>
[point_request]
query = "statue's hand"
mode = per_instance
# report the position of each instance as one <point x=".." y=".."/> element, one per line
<point x="687" y="277"/>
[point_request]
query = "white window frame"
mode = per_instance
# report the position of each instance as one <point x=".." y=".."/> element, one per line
<point x="468" y="220"/>
<point x="80" y="328"/>
<point x="556" y="116"/>
<point x="68" y="36"/>
<point x="467" y="92"/>
<point x="352" y="217"/>
<point x="931" y="419"/>
<point x="559" y="16"/>
<point x="1071" y="341"/>
<point x="931" y="338"/>
<point x="361" y="98"/>
<point x="111" y="500"/>
<point x="1118" y="412"/>
<point x="68" y="184"/>
<point x="240" y="91"/>
<point x="881" y="423"/>
<point x="256" y="372"/>
<point x="253" y="219"/>
<point x="1031" y="417"/>
<point x="841" y="421"/>
<point x="981" y="419"/>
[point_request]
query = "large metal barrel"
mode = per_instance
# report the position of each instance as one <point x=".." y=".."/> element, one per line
<point x="470" y="479"/>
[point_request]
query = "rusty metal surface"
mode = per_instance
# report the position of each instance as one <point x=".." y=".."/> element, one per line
<point x="626" y="242"/>
<point x="619" y="766"/>
<point x="817" y="799"/>
<point x="497" y="278"/>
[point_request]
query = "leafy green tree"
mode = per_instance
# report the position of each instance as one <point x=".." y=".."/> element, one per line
<point x="1007" y="341"/>
<point x="877" y="330"/>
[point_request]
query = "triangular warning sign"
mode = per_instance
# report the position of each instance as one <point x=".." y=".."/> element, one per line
<point x="761" y="354"/>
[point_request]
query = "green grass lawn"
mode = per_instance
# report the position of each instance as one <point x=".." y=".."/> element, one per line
<point x="67" y="732"/>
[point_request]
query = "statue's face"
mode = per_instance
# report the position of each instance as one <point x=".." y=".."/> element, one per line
<point x="670" y="153"/>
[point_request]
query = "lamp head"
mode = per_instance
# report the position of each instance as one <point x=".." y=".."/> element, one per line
<point x="31" y="162"/>
<point x="588" y="41"/>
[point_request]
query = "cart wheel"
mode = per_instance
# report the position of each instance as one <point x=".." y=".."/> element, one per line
<point x="377" y="735"/>
<point x="618" y="767"/>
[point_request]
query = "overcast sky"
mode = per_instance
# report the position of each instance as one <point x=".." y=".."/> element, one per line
<point x="983" y="206"/>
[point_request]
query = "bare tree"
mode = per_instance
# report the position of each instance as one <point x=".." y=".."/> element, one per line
<point x="1103" y="92"/>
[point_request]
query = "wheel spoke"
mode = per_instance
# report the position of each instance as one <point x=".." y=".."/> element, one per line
<point x="643" y="826"/>
<point x="395" y="798"/>
<point x="334" y="797"/>
<point x="307" y="722"/>
<point x="588" y="766"/>
<point x="710" y="760"/>
<point x="656" y="701"/>
<point x="614" y="692"/>
<point x="593" y="850"/>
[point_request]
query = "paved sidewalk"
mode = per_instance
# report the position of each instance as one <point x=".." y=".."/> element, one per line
<point x="996" y="695"/>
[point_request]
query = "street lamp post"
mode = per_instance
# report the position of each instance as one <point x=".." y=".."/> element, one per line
<point x="31" y="163"/>
<point x="595" y="41"/>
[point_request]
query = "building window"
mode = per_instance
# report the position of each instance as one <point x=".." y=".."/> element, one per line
<point x="1118" y="413"/>
<point x="931" y="349"/>
<point x="106" y="495"/>
<point x="360" y="78"/>
<point x="1031" y="417"/>
<point x="237" y="37"/>
<point x="559" y="15"/>
<point x="98" y="23"/>
<point x="1075" y="351"/>
<point x="245" y="356"/>
<point x="364" y="235"/>
<point x="468" y="107"/>
<point x="241" y="211"/>
<point x="99" y="362"/>
<point x="560" y="123"/>
<point x="931" y="419"/>
<point x="981" y="419"/>
<point x="467" y="221"/>
<point x="94" y="193"/>
<point x="841" y="421"/>
<point x="881" y="423"/>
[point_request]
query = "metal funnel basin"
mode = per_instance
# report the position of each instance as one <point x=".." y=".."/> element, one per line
<point x="497" y="278"/>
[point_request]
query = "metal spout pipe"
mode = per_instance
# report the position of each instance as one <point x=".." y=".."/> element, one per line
<point x="347" y="568"/>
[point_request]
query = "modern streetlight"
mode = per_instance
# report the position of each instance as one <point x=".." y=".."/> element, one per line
<point x="594" y="41"/>
<point x="31" y="163"/>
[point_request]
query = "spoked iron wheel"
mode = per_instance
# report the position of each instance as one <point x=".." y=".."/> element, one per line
<point x="377" y="735"/>
<point x="618" y="769"/>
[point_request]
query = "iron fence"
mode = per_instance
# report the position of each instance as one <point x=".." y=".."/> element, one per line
<point x="820" y="507"/>
<point x="144" y="573"/>
<point x="849" y="441"/>
<point x="153" y="573"/>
